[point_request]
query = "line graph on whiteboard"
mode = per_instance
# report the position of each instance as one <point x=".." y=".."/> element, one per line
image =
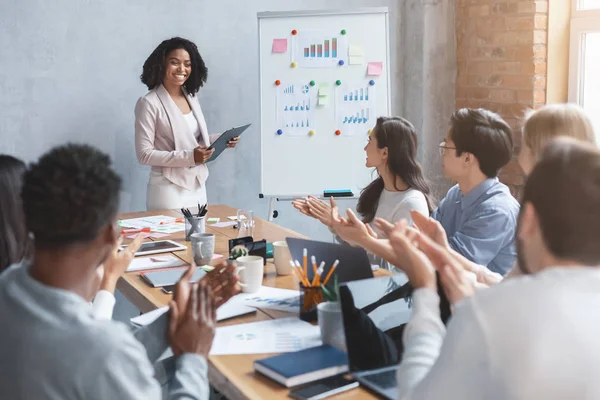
<point x="355" y="108"/>
<point x="295" y="108"/>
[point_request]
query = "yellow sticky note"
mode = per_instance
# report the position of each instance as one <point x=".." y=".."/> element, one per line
<point x="355" y="60"/>
<point x="355" y="50"/>
<point x="323" y="89"/>
<point x="323" y="100"/>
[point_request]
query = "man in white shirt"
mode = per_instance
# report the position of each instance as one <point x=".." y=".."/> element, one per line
<point x="534" y="337"/>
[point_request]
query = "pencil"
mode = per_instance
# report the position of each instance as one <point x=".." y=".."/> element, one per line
<point x="305" y="261"/>
<point x="317" y="279"/>
<point x="298" y="274"/>
<point x="333" y="267"/>
<point x="313" y="259"/>
<point x="305" y="281"/>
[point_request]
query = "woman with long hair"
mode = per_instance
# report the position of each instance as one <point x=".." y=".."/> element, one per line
<point x="399" y="187"/>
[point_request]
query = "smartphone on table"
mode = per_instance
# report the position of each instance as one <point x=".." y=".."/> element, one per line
<point x="324" y="388"/>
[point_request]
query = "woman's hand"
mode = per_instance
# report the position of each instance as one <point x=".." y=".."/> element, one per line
<point x="116" y="264"/>
<point x="233" y="142"/>
<point x="313" y="207"/>
<point x="202" y="154"/>
<point x="351" y="229"/>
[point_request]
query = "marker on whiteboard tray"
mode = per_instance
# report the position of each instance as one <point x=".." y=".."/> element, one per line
<point x="338" y="193"/>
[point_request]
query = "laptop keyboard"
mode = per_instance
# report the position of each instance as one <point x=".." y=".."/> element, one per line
<point x="384" y="380"/>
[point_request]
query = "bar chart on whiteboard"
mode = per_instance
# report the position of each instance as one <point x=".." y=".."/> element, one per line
<point x="355" y="108"/>
<point x="319" y="49"/>
<point x="296" y="104"/>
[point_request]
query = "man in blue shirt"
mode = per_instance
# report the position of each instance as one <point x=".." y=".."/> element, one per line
<point x="479" y="214"/>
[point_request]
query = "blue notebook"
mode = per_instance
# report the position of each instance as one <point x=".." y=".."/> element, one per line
<point x="292" y="369"/>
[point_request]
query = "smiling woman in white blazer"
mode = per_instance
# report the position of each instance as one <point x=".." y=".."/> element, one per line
<point x="170" y="131"/>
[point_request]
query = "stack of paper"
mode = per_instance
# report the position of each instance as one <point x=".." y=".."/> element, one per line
<point x="226" y="311"/>
<point x="273" y="299"/>
<point x="275" y="336"/>
<point x="154" y="223"/>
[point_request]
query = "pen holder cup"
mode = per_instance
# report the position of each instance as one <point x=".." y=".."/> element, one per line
<point x="198" y="227"/>
<point x="310" y="298"/>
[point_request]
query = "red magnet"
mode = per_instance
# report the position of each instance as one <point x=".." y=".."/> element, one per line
<point x="338" y="132"/>
<point x="294" y="32"/>
<point x="277" y="82"/>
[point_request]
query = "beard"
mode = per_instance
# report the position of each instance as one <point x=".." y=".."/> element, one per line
<point x="522" y="264"/>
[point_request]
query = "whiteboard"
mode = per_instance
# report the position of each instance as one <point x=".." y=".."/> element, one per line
<point x="307" y="148"/>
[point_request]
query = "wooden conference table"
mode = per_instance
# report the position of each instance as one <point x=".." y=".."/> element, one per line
<point x="232" y="375"/>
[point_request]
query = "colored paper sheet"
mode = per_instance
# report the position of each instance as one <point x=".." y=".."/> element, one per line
<point x="323" y="100"/>
<point x="323" y="89"/>
<point x="280" y="45"/>
<point x="355" y="60"/>
<point x="374" y="68"/>
<point x="355" y="50"/>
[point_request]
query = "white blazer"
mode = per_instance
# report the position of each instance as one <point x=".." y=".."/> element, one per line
<point x="164" y="141"/>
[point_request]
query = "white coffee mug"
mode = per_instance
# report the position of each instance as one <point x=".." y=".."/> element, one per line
<point x="331" y="323"/>
<point x="250" y="270"/>
<point x="282" y="258"/>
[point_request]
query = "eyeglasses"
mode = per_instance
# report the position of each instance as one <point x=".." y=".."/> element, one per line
<point x="443" y="148"/>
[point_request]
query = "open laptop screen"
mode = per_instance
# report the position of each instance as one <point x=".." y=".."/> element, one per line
<point x="375" y="312"/>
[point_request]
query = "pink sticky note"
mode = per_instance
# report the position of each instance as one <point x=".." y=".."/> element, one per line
<point x="279" y="45"/>
<point x="216" y="256"/>
<point x="374" y="68"/>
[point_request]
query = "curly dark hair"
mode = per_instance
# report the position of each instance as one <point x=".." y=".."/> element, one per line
<point x="69" y="195"/>
<point x="154" y="67"/>
<point x="13" y="233"/>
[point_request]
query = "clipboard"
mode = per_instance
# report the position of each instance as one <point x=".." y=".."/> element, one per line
<point x="221" y="143"/>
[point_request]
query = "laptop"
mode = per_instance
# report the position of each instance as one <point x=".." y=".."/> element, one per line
<point x="374" y="312"/>
<point x="354" y="262"/>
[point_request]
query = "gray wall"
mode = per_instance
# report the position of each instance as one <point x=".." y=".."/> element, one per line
<point x="69" y="72"/>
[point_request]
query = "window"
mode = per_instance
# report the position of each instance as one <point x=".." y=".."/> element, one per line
<point x="584" y="64"/>
<point x="588" y="4"/>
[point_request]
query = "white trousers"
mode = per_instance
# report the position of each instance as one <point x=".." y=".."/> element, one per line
<point x="163" y="194"/>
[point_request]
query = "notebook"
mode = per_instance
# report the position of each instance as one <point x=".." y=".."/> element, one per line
<point x="297" y="368"/>
<point x="170" y="276"/>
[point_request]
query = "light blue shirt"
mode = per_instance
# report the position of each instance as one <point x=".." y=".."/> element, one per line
<point x="481" y="225"/>
<point x="54" y="349"/>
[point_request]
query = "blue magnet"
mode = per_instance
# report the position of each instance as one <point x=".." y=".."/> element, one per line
<point x="279" y="132"/>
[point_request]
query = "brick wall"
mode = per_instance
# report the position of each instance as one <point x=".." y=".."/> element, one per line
<point x="502" y="56"/>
